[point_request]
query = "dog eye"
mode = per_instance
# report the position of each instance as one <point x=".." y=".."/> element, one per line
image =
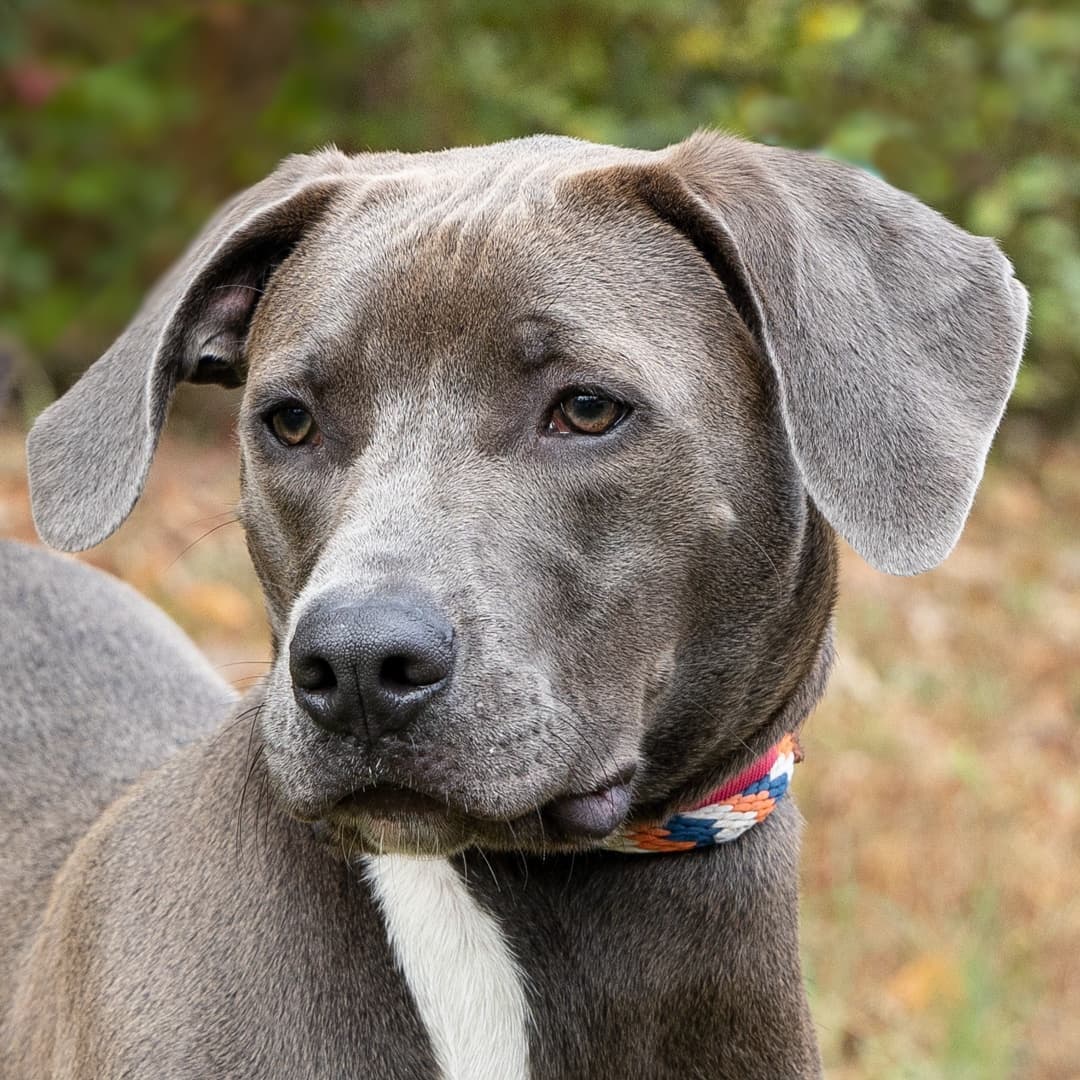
<point x="580" y="413"/>
<point x="292" y="424"/>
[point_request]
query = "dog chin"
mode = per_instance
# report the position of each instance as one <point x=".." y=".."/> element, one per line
<point x="419" y="836"/>
<point x="424" y="836"/>
<point x="377" y="823"/>
<point x="389" y="818"/>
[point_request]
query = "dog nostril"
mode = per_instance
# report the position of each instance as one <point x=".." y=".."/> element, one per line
<point x="315" y="675"/>
<point x="399" y="673"/>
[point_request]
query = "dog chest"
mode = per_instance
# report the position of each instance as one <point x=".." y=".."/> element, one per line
<point x="466" y="984"/>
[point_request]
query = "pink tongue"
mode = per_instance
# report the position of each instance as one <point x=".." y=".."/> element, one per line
<point x="593" y="815"/>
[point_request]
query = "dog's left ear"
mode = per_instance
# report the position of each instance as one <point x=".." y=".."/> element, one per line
<point x="894" y="336"/>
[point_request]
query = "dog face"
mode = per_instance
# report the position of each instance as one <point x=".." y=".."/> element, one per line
<point x="539" y="442"/>
<point x="606" y="588"/>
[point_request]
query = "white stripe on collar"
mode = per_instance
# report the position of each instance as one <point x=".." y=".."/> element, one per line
<point x="466" y="984"/>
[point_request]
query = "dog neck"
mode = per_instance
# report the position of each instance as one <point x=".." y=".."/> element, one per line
<point x="744" y="799"/>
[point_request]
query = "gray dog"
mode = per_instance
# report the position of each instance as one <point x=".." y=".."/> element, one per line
<point x="543" y="448"/>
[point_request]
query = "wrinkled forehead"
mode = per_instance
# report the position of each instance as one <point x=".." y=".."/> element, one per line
<point x="461" y="267"/>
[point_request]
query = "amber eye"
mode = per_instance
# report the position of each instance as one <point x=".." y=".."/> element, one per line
<point x="579" y="413"/>
<point x="292" y="424"/>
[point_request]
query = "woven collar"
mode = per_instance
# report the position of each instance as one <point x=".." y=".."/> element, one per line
<point x="723" y="815"/>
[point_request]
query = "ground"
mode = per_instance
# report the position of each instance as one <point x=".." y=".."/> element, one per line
<point x="941" y="864"/>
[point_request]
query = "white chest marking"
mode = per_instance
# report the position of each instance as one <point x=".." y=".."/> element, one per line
<point x="466" y="984"/>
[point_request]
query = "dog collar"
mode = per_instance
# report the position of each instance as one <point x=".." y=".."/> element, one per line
<point x="725" y="814"/>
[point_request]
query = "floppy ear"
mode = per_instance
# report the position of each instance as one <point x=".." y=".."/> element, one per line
<point x="89" y="453"/>
<point x="893" y="335"/>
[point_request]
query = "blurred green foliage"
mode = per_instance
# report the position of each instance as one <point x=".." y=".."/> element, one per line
<point x="123" y="124"/>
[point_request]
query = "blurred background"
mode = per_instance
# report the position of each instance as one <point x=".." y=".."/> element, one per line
<point x="942" y="784"/>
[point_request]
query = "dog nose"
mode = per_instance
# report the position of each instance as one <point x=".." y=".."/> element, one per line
<point x="365" y="666"/>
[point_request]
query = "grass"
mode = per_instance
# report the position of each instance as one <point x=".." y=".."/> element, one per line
<point x="941" y="788"/>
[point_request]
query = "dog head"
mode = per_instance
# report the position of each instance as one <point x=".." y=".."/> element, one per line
<point x="543" y="445"/>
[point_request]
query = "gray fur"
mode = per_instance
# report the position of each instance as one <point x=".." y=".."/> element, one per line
<point x="894" y="335"/>
<point x="99" y="686"/>
<point x="802" y="347"/>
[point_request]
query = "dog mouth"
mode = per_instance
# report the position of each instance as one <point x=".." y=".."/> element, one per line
<point x="388" y="817"/>
<point x="592" y="815"/>
<point x="388" y="802"/>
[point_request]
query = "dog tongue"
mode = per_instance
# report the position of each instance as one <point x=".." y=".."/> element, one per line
<point x="592" y="815"/>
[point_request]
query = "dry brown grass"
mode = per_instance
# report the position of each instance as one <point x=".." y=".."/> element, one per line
<point x="941" y="868"/>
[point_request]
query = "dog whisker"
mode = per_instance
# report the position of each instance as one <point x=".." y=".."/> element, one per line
<point x="254" y="761"/>
<point x="491" y="869"/>
<point x="521" y="854"/>
<point x="200" y="539"/>
<point x="249" y="288"/>
<point x="569" y="875"/>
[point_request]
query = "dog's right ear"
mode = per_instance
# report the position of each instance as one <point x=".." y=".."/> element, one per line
<point x="89" y="453"/>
